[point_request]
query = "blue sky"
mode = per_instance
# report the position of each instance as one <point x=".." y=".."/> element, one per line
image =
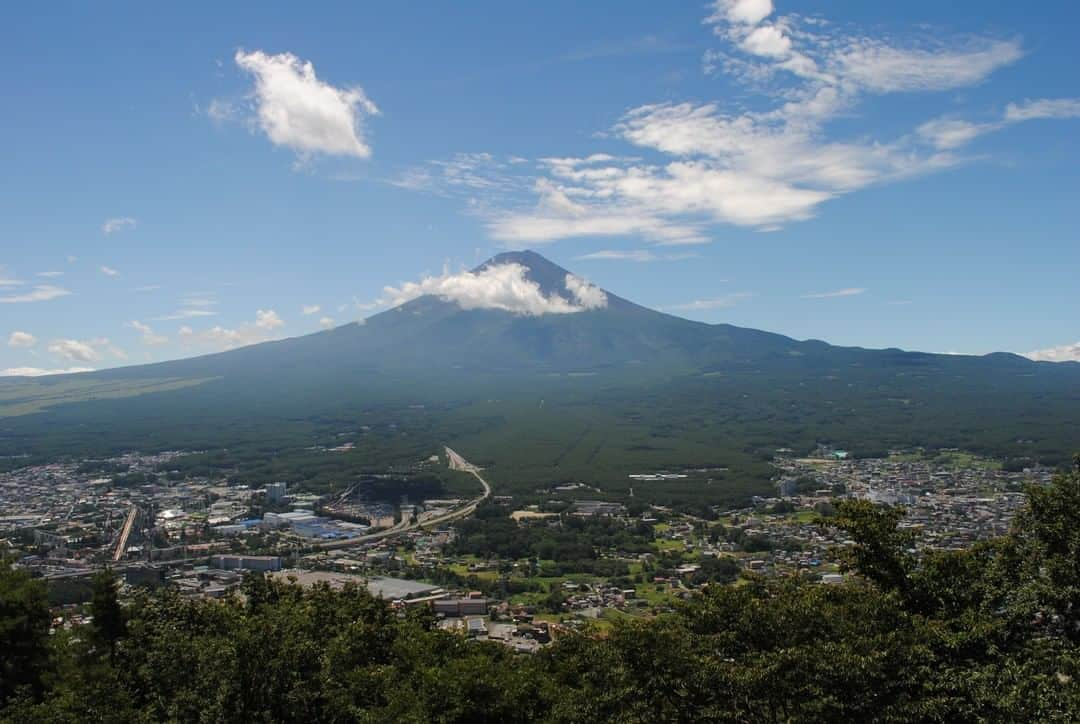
<point x="179" y="180"/>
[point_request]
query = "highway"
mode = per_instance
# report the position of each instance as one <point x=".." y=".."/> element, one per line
<point x="457" y="462"/>
<point x="125" y="533"/>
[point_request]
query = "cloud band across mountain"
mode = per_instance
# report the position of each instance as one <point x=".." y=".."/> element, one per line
<point x="505" y="287"/>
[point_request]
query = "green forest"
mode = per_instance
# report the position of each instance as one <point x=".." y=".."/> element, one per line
<point x="986" y="634"/>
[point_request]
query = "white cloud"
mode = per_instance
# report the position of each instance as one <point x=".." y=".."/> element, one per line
<point x="1063" y="353"/>
<point x="186" y="314"/>
<point x="635" y="255"/>
<point x="149" y="338"/>
<point x="113" y="225"/>
<point x="267" y="319"/>
<point x="749" y="12"/>
<point x="109" y="271"/>
<point x="50" y="274"/>
<point x="74" y="350"/>
<point x="722" y="302"/>
<point x="849" y="292"/>
<point x="40" y="293"/>
<point x="21" y="339"/>
<point x="326" y="322"/>
<point x="220" y="110"/>
<point x="309" y="309"/>
<point x="1043" y="108"/>
<point x="759" y="165"/>
<point x="947" y="133"/>
<point x="224" y="338"/>
<point x="882" y="68"/>
<point x="148" y="288"/>
<point x="40" y="372"/>
<point x="768" y="41"/>
<point x="297" y="110"/>
<point x="501" y="286"/>
<point x="587" y="296"/>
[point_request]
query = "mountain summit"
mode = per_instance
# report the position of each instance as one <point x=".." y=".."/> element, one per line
<point x="539" y="362"/>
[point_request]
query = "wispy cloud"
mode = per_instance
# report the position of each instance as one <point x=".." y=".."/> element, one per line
<point x="115" y="224"/>
<point x="949" y="133"/>
<point x="186" y="314"/>
<point x="148" y="336"/>
<point x="309" y="309"/>
<point x="636" y="255"/>
<point x="74" y="350"/>
<point x="50" y="274"/>
<point x="705" y="164"/>
<point x="40" y="293"/>
<point x="848" y="292"/>
<point x="722" y="302"/>
<point x="41" y="372"/>
<point x="109" y="271"/>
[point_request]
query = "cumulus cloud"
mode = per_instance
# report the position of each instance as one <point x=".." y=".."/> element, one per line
<point x="21" y="339"/>
<point x="848" y="292"/>
<point x="41" y="372"/>
<point x="118" y="223"/>
<point x="309" y="309"/>
<point x="1063" y="353"/>
<point x="39" y="293"/>
<point x="326" y="322"/>
<point x="267" y="319"/>
<point x="504" y="287"/>
<point x="295" y="109"/>
<point x="149" y="337"/>
<point x="224" y="338"/>
<point x="747" y="12"/>
<point x="74" y="350"/>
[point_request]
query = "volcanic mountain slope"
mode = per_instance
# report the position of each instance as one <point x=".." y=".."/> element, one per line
<point x="549" y="377"/>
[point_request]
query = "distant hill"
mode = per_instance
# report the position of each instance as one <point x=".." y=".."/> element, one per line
<point x="590" y="395"/>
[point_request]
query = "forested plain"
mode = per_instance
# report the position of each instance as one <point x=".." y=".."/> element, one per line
<point x="720" y="428"/>
<point x="986" y="634"/>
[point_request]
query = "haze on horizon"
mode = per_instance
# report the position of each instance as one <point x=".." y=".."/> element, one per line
<point x="892" y="177"/>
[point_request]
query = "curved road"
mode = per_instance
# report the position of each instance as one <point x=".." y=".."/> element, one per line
<point x="456" y="463"/>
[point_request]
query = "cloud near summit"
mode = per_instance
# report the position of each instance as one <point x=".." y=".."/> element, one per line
<point x="501" y="286"/>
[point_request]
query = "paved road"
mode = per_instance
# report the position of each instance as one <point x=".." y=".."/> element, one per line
<point x="456" y="463"/>
<point x="125" y="533"/>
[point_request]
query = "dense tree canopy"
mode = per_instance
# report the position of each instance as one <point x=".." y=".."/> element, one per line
<point x="989" y="634"/>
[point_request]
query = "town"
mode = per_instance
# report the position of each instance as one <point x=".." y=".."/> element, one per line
<point x="486" y="567"/>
